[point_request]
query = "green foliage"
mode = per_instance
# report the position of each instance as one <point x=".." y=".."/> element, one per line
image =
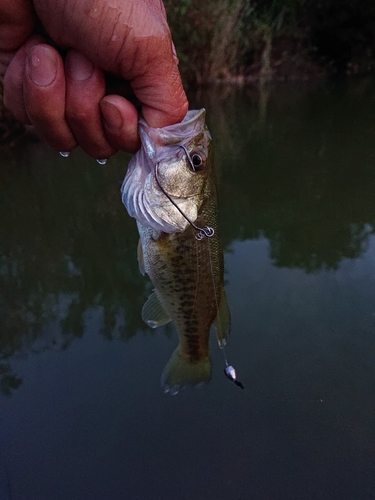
<point x="219" y="38"/>
<point x="207" y="36"/>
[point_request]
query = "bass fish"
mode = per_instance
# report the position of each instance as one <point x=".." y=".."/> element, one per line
<point x="170" y="190"/>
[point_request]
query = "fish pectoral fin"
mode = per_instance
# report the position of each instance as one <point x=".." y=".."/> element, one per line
<point x="222" y="320"/>
<point x="141" y="261"/>
<point x="153" y="312"/>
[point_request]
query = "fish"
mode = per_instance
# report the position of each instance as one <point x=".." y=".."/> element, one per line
<point x="170" y="190"/>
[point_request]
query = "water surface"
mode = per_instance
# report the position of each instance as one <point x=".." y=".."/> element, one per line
<point x="82" y="414"/>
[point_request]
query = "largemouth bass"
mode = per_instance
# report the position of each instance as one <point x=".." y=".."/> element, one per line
<point x="170" y="190"/>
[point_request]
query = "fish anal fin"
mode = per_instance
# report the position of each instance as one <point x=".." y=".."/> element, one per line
<point x="153" y="312"/>
<point x="222" y="321"/>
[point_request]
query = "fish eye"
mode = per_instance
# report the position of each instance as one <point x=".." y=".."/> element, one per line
<point x="198" y="161"/>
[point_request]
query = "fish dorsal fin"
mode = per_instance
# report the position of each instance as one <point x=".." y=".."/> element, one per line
<point x="153" y="312"/>
<point x="141" y="261"/>
<point x="222" y="320"/>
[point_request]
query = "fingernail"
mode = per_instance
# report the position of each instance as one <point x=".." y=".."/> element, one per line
<point x="42" y="65"/>
<point x="79" y="68"/>
<point x="102" y="161"/>
<point x="65" y="154"/>
<point x="111" y="116"/>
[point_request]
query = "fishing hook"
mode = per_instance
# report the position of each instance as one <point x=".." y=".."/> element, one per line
<point x="202" y="231"/>
<point x="188" y="157"/>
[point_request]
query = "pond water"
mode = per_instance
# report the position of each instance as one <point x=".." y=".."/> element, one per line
<point x="82" y="414"/>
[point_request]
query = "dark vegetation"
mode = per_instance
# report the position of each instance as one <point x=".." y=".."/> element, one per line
<point x="271" y="39"/>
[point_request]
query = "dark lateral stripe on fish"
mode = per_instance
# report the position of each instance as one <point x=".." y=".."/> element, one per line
<point x="186" y="303"/>
<point x="190" y="329"/>
<point x="194" y="353"/>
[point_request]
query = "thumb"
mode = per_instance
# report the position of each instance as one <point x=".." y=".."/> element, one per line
<point x="158" y="84"/>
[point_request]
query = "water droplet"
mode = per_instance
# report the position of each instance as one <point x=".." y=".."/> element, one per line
<point x="102" y="161"/>
<point x="174" y="390"/>
<point x="65" y="154"/>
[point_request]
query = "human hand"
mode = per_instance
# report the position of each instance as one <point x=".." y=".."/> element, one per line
<point x="65" y="97"/>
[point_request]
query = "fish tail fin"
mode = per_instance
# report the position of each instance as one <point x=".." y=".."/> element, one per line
<point x="180" y="372"/>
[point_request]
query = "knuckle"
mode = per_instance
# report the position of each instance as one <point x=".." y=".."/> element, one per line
<point x="77" y="114"/>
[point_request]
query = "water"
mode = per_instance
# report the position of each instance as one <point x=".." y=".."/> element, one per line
<point x="82" y="413"/>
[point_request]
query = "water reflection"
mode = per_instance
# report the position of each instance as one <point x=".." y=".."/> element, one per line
<point x="295" y="167"/>
<point x="66" y="246"/>
<point x="302" y="176"/>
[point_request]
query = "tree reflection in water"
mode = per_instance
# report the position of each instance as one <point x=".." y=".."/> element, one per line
<point x="298" y="171"/>
<point x="66" y="245"/>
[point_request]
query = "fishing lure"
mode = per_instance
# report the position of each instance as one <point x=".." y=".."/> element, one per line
<point x="230" y="372"/>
